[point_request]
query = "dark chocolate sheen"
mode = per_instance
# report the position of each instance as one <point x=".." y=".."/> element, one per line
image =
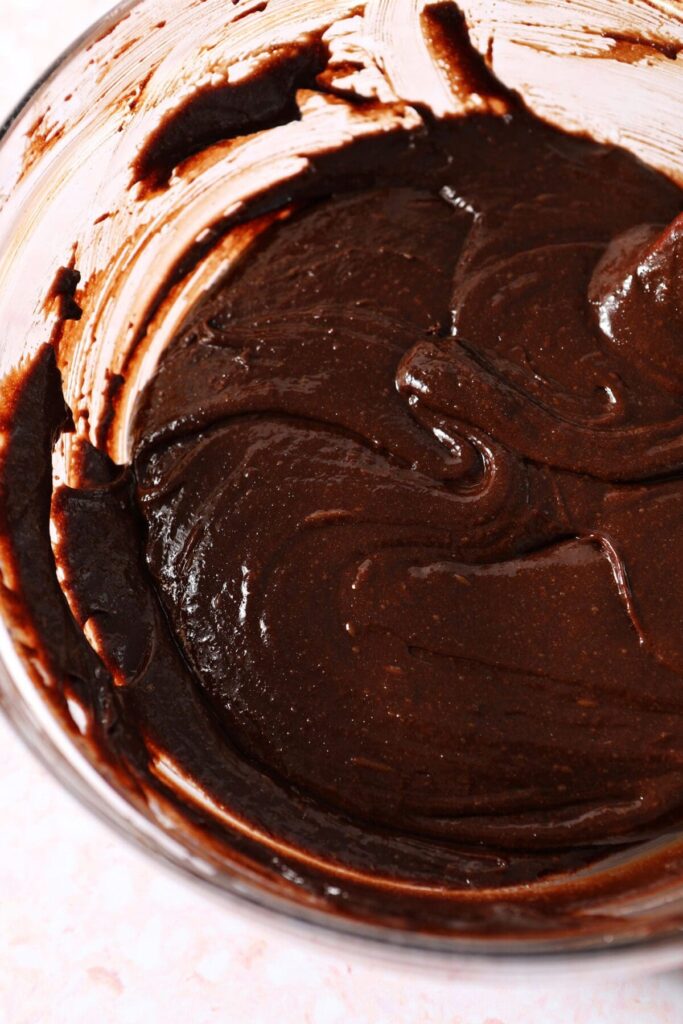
<point x="397" y="479"/>
<point x="394" y="576"/>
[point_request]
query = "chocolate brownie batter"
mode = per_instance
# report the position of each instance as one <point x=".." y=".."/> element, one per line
<point x="394" y="577"/>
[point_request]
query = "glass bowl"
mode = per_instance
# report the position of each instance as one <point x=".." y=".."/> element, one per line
<point x="67" y="198"/>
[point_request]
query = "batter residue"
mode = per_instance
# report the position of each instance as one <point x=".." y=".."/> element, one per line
<point x="394" y="576"/>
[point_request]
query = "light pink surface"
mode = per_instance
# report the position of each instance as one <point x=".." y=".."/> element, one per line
<point x="90" y="931"/>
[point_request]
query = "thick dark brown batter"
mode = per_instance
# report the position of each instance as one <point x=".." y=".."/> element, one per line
<point x="395" y="575"/>
<point x="392" y="480"/>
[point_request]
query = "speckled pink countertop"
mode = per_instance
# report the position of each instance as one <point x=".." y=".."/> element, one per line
<point x="92" y="932"/>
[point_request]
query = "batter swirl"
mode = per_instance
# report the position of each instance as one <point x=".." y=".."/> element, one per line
<point x="394" y="575"/>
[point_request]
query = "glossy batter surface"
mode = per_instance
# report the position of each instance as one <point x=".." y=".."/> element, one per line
<point x="395" y="574"/>
<point x="398" y="486"/>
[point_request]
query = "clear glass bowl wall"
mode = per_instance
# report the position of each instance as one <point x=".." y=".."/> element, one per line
<point x="65" y="181"/>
